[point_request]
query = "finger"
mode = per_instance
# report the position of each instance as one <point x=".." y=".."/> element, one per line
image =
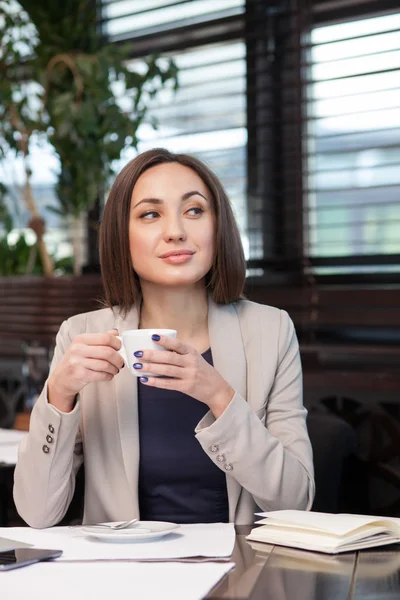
<point x="99" y="339"/>
<point x="159" y="356"/>
<point x="104" y="366"/>
<point x="114" y="332"/>
<point x="160" y="369"/>
<point x="105" y="353"/>
<point x="171" y="344"/>
<point x="159" y="382"/>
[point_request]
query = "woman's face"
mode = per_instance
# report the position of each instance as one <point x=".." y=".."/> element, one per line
<point x="171" y="227"/>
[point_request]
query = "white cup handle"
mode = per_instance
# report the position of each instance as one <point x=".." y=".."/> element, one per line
<point x="122" y="350"/>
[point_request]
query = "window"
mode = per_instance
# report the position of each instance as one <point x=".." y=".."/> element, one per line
<point x="353" y="141"/>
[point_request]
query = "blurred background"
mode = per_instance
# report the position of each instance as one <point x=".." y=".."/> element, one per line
<point x="295" y="104"/>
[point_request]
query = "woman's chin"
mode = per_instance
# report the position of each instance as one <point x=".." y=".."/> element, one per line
<point x="176" y="281"/>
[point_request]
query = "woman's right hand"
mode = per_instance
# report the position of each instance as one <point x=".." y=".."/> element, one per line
<point x="91" y="357"/>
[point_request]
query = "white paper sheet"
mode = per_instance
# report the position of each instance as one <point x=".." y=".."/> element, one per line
<point x="9" y="443"/>
<point x="105" y="581"/>
<point x="211" y="539"/>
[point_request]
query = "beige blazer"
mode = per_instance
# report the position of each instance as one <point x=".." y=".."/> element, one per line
<point x="262" y="433"/>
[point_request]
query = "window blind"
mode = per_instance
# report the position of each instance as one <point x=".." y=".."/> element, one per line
<point x="130" y="19"/>
<point x="324" y="138"/>
<point x="352" y="186"/>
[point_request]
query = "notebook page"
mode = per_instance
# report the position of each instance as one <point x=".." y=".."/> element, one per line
<point x="280" y="529"/>
<point x="321" y="543"/>
<point x="316" y="538"/>
<point x="334" y="524"/>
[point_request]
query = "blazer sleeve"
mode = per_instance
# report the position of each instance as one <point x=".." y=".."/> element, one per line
<point x="49" y="457"/>
<point x="269" y="452"/>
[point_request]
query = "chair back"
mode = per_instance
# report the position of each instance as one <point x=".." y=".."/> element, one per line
<point x="333" y="442"/>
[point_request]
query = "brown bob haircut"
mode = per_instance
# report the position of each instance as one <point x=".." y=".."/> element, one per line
<point x="226" y="277"/>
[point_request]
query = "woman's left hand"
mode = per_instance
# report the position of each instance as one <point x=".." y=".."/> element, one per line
<point x="186" y="371"/>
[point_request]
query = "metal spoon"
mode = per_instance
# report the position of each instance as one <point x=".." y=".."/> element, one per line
<point x="123" y="525"/>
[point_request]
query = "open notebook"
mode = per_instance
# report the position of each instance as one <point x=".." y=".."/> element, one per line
<point x="324" y="532"/>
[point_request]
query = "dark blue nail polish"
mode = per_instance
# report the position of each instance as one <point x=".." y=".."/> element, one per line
<point x="143" y="379"/>
<point x="137" y="366"/>
<point x="138" y="354"/>
<point x="155" y="337"/>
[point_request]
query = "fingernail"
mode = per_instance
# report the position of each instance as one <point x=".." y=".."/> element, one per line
<point x="138" y="354"/>
<point x="155" y="337"/>
<point x="123" y="366"/>
<point x="143" y="379"/>
<point x="137" y="366"/>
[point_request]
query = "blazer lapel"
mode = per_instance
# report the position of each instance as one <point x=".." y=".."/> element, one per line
<point x="227" y="345"/>
<point x="127" y="410"/>
<point x="230" y="361"/>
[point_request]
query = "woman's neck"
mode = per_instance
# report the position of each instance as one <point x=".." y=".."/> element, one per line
<point x="185" y="310"/>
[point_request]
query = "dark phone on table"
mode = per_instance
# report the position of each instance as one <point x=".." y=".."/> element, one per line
<point x="13" y="559"/>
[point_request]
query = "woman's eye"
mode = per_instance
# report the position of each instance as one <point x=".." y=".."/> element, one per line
<point x="196" y="210"/>
<point x="151" y="214"/>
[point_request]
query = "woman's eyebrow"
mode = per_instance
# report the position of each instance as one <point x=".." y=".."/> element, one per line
<point x="188" y="195"/>
<point x="149" y="201"/>
<point x="158" y="201"/>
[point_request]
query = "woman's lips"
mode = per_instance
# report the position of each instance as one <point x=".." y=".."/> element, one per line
<point x="177" y="259"/>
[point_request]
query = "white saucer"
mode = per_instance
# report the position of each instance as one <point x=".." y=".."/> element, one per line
<point x="154" y="530"/>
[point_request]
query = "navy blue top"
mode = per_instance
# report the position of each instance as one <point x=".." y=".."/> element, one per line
<point x="178" y="482"/>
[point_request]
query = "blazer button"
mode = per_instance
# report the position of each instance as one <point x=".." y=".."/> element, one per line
<point x="45" y="449"/>
<point x="221" y="458"/>
<point x="214" y="448"/>
<point x="228" y="467"/>
<point x="51" y="428"/>
<point x="49" y="439"/>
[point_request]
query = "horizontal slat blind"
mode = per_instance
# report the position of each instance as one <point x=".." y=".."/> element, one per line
<point x="127" y="19"/>
<point x="353" y="140"/>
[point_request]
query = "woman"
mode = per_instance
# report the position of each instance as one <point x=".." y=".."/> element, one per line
<point x="223" y="432"/>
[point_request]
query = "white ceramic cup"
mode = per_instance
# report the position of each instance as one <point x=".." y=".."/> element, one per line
<point x="133" y="340"/>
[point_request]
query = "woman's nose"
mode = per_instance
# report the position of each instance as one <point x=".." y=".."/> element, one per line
<point x="174" y="230"/>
